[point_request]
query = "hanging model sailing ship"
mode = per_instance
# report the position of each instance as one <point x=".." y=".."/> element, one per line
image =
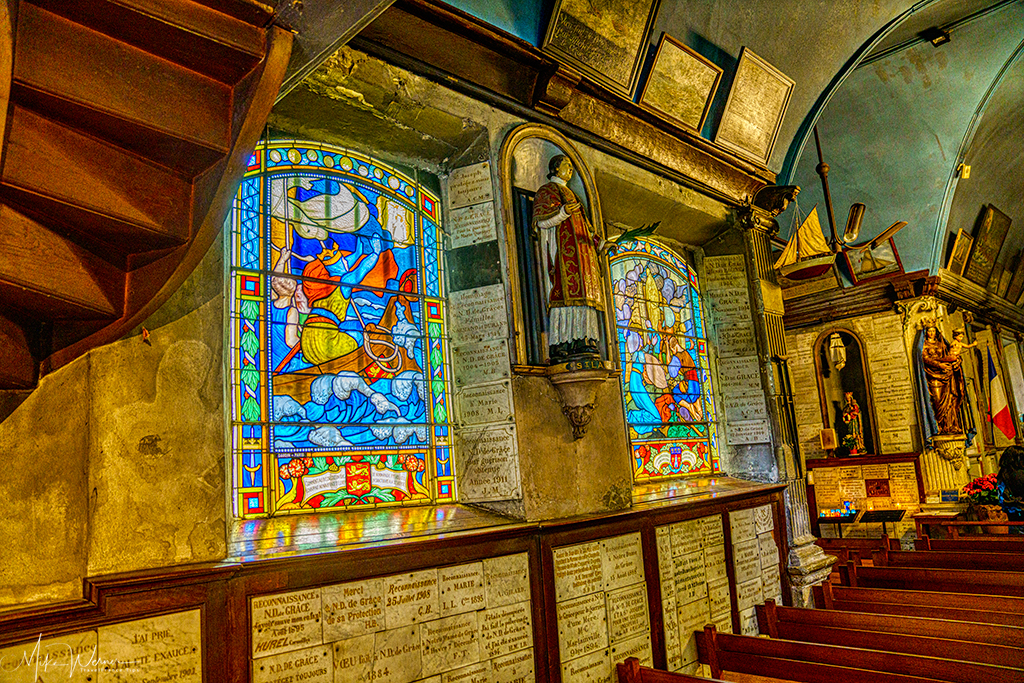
<point x="807" y="254"/>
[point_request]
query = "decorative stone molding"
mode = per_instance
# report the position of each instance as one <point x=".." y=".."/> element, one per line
<point x="775" y="198"/>
<point x="950" y="448"/>
<point x="576" y="383"/>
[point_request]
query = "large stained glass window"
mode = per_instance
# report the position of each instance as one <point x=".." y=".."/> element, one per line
<point x="339" y="364"/>
<point x="670" y="410"/>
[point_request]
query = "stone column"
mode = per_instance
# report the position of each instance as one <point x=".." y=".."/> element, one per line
<point x="807" y="563"/>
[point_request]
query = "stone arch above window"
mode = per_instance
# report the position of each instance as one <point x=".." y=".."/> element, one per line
<point x="666" y="372"/>
<point x="339" y="361"/>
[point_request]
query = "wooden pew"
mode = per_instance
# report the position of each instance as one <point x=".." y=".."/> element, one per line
<point x="813" y="663"/>
<point x="855" y="549"/>
<point x="949" y="559"/>
<point x="964" y="641"/>
<point x="630" y="671"/>
<point x="983" y="609"/>
<point x="985" y="544"/>
<point x="1008" y="583"/>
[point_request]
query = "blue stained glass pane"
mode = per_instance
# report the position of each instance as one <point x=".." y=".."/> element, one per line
<point x="666" y="388"/>
<point x="337" y="356"/>
<point x="249" y="223"/>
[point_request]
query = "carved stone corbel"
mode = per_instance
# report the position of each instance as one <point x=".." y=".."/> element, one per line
<point x="950" y="448"/>
<point x="577" y="383"/>
<point x="775" y="198"/>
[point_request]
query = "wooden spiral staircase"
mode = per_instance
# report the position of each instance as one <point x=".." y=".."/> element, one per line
<point x="128" y="126"/>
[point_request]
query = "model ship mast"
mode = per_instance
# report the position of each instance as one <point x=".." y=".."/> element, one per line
<point x="807" y="254"/>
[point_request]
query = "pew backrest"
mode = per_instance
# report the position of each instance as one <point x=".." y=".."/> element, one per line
<point x="986" y="609"/>
<point x="963" y="641"/>
<point x="949" y="559"/>
<point x="631" y="671"/>
<point x="988" y="544"/>
<point x="813" y="662"/>
<point x="984" y="582"/>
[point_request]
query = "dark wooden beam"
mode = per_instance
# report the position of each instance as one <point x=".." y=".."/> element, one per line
<point x="852" y="302"/>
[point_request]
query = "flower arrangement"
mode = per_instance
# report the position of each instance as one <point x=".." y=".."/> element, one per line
<point x="982" y="491"/>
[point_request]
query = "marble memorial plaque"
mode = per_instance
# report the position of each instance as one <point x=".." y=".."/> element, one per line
<point x="692" y="618"/>
<point x="592" y="668"/>
<point x="724" y="623"/>
<point x="875" y="471"/>
<point x="514" y="668"/>
<point x="735" y="340"/>
<point x="714" y="563"/>
<point x="623" y="561"/>
<point x="399" y="655"/>
<point x="470" y="185"/>
<point x="741" y="525"/>
<point x="461" y="588"/>
<point x="471" y="225"/>
<point x="449" y="643"/>
<point x="749" y="593"/>
<point x="505" y="629"/>
<point x="768" y="550"/>
<point x="670" y="615"/>
<point x="312" y="665"/>
<point x="507" y="579"/>
<point x="484" y="403"/>
<point x="904" y="490"/>
<point x="638" y="646"/>
<point x="410" y="598"/>
<point x="478" y="314"/>
<point x="687" y="537"/>
<point x="771" y="584"/>
<point x="168" y="647"/>
<point x="287" y="621"/>
<point x="480" y="363"/>
<point x="740" y="375"/>
<point x="474" y="673"/>
<point x="578" y="570"/>
<point x="353" y="659"/>
<point x="740" y="408"/>
<point x="352" y="609"/>
<point x="853" y="472"/>
<point x="691" y="581"/>
<point x="663" y="541"/>
<point x="723" y="270"/>
<point x="731" y="305"/>
<point x="748" y="622"/>
<point x="903" y="470"/>
<point x="627" y="612"/>
<point x="746" y="559"/>
<point x="852" y="489"/>
<point x="712" y="530"/>
<point x="68" y="658"/>
<point x="582" y="626"/>
<point x="748" y="431"/>
<point x="826" y="495"/>
<point x="763" y="519"/>
<point x="488" y="464"/>
<point x="826" y="475"/>
<point x="719" y="600"/>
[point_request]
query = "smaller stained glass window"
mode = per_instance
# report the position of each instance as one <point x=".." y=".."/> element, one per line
<point x="666" y="373"/>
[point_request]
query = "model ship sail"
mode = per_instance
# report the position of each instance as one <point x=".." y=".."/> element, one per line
<point x="807" y="254"/>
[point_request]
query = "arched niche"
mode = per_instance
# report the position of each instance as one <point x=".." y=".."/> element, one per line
<point x="834" y="382"/>
<point x="523" y="168"/>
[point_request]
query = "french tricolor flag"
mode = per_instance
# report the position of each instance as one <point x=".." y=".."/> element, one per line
<point x="998" y="409"/>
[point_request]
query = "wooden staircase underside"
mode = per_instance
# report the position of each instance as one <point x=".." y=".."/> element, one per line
<point x="128" y="127"/>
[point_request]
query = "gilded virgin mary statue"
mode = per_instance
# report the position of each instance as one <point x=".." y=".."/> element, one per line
<point x="942" y="393"/>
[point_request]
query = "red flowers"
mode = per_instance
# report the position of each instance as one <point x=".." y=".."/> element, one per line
<point x="982" y="491"/>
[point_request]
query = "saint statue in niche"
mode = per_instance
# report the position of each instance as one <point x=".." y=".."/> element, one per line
<point x="854" y="425"/>
<point x="569" y="253"/>
<point x="941" y="384"/>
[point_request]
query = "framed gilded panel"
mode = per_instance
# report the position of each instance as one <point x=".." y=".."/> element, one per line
<point x="993" y="225"/>
<point x="681" y="85"/>
<point x="604" y="39"/>
<point x="870" y="264"/>
<point x="961" y="250"/>
<point x="755" y="108"/>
